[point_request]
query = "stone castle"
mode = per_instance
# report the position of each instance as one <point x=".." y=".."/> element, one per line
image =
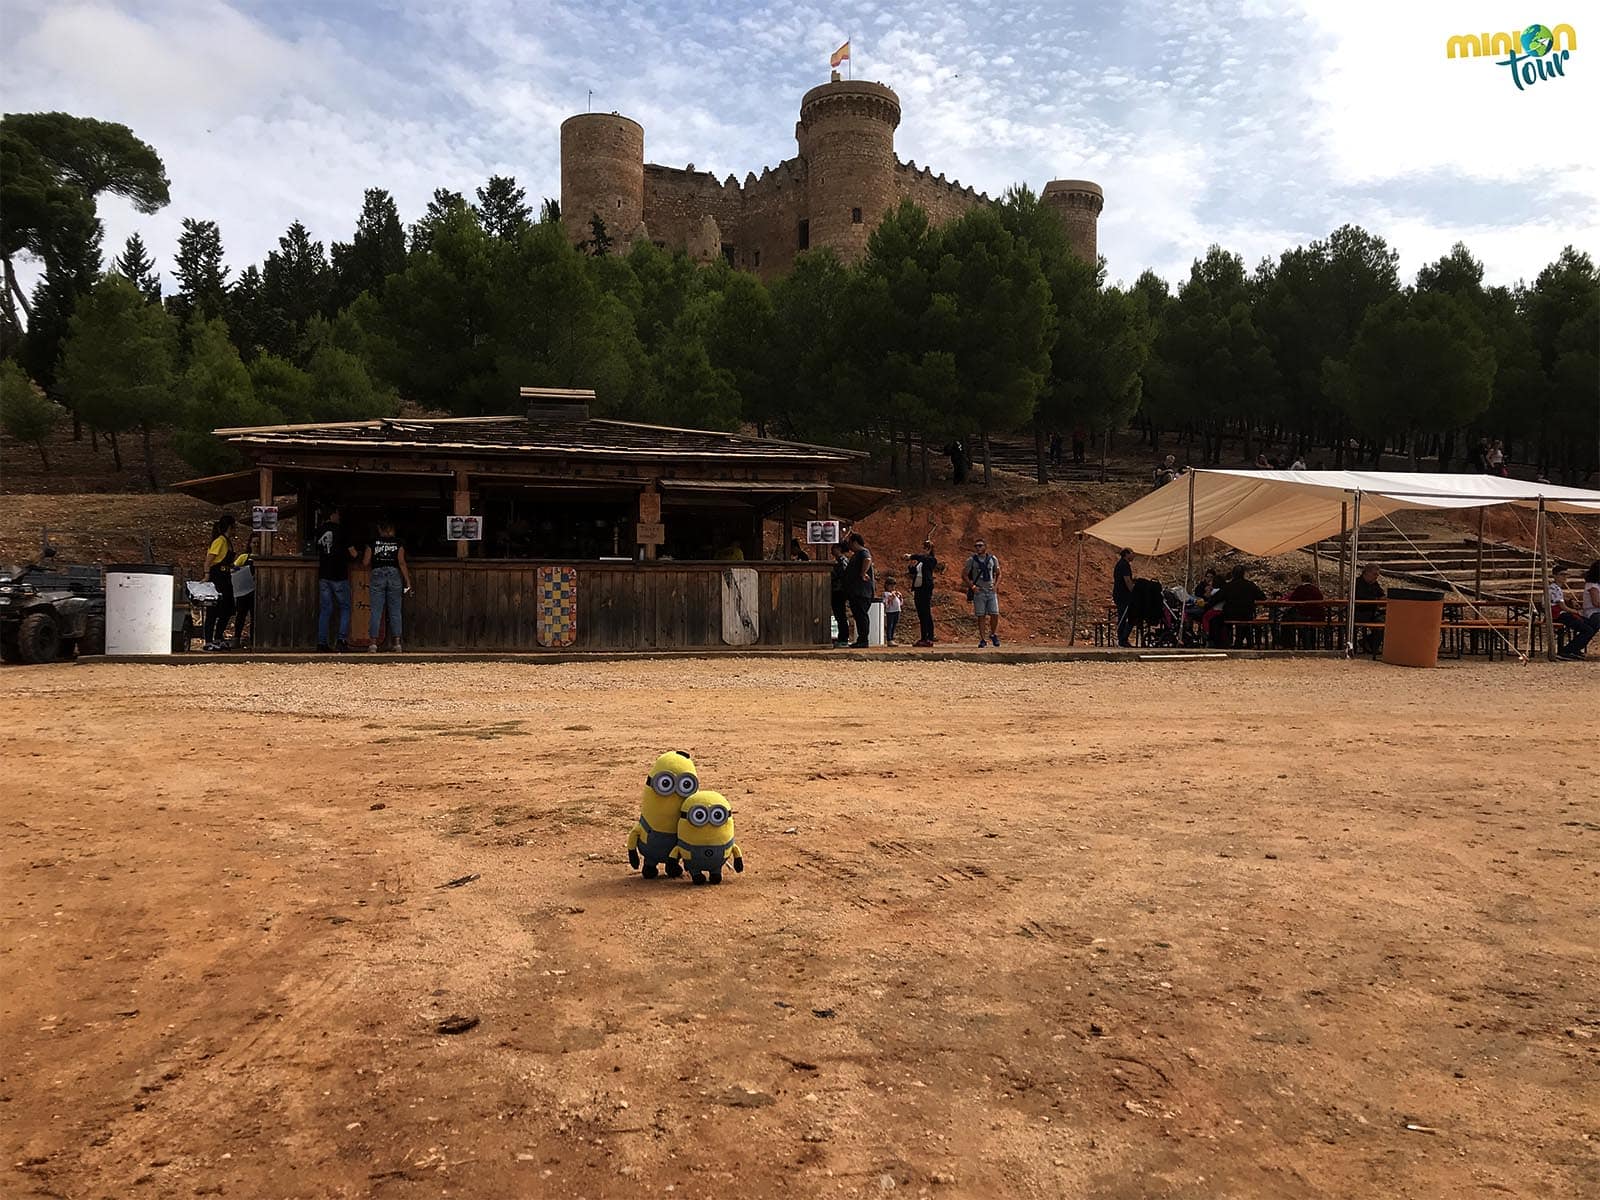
<point x="832" y="194"/>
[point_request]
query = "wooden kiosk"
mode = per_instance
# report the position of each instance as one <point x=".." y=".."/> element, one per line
<point x="590" y="534"/>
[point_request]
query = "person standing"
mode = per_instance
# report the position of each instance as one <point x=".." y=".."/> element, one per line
<point x="923" y="567"/>
<point x="893" y="602"/>
<point x="244" y="591"/>
<point x="861" y="585"/>
<point x="1080" y="439"/>
<point x="838" y="594"/>
<point x="334" y="556"/>
<point x="390" y="579"/>
<point x="1122" y="596"/>
<point x="1055" y="449"/>
<point x="219" y="571"/>
<point x="983" y="586"/>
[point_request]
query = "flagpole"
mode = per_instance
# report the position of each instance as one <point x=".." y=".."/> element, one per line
<point x="852" y="57"/>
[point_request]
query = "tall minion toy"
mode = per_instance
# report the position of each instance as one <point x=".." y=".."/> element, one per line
<point x="670" y="784"/>
<point x="705" y="837"/>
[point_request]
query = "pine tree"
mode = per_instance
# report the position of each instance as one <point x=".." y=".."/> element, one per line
<point x="247" y="316"/>
<point x="549" y="211"/>
<point x="294" y="288"/>
<point x="502" y="207"/>
<point x="136" y="265"/>
<point x="444" y="203"/>
<point x="598" y="242"/>
<point x="202" y="279"/>
<point x="375" y="252"/>
<point x="116" y="368"/>
<point x="26" y="413"/>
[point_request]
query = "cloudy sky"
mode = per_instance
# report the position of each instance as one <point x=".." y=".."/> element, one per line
<point x="1255" y="124"/>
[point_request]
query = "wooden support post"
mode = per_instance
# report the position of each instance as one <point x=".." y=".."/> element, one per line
<point x="1077" y="575"/>
<point x="462" y="508"/>
<point x="649" y="531"/>
<point x="1355" y="554"/>
<point x="264" y="491"/>
<point x="1543" y="596"/>
<point x="1477" y="579"/>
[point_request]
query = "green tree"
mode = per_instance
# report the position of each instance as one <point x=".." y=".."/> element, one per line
<point x="1420" y="361"/>
<point x="376" y="251"/>
<point x="808" y="350"/>
<point x="202" y="277"/>
<point x="215" y="392"/>
<point x="1564" y="330"/>
<point x="117" y="364"/>
<point x="444" y="203"/>
<point x="53" y="166"/>
<point x="502" y="207"/>
<point x="277" y="382"/>
<point x="598" y="243"/>
<point x="992" y="311"/>
<point x="549" y="211"/>
<point x="26" y="413"/>
<point x="295" y="280"/>
<point x="136" y="265"/>
<point x="246" y="314"/>
<point x="72" y="264"/>
<point x="1216" y="354"/>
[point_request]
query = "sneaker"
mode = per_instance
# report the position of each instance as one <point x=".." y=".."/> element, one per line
<point x="994" y="639"/>
<point x="924" y="642"/>
<point x="398" y="648"/>
<point x="372" y="647"/>
<point x="982" y="642"/>
<point x="342" y="646"/>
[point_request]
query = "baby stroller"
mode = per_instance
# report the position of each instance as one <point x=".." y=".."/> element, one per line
<point x="1151" y="609"/>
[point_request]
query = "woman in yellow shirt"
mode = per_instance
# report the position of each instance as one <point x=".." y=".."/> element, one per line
<point x="219" y="570"/>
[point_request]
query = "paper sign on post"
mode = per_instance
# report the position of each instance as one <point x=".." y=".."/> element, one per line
<point x="264" y="518"/>
<point x="463" y="529"/>
<point x="822" y="533"/>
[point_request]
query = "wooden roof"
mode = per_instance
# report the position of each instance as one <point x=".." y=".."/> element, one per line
<point x="537" y="436"/>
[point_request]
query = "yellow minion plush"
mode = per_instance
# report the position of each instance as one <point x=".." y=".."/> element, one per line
<point x="670" y="784"/>
<point x="705" y="837"/>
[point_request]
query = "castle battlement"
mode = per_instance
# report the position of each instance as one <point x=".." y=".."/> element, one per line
<point x="842" y="182"/>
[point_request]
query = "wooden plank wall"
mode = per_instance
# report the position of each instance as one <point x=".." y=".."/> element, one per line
<point x="491" y="606"/>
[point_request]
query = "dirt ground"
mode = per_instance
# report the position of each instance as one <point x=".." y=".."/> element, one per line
<point x="1209" y="929"/>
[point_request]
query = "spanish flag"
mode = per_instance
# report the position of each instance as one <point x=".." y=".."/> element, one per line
<point x="839" y="55"/>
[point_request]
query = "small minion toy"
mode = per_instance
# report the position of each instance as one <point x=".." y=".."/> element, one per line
<point x="705" y="837"/>
<point x="670" y="784"/>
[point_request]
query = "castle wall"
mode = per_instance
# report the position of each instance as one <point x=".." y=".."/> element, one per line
<point x="940" y="199"/>
<point x="846" y="164"/>
<point x="677" y="201"/>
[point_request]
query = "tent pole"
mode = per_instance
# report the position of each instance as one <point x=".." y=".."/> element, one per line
<point x="1477" y="579"/>
<point x="1544" y="584"/>
<point x="1077" y="577"/>
<point x="1344" y="542"/>
<point x="1188" y="558"/>
<point x="1355" y="555"/>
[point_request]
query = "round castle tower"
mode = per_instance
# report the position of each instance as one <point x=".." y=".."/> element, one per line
<point x="602" y="173"/>
<point x="1078" y="203"/>
<point x="846" y="137"/>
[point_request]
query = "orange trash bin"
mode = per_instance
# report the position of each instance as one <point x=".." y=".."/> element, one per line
<point x="1412" y="622"/>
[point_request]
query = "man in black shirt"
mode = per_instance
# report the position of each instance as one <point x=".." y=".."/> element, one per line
<point x="861" y="585"/>
<point x="1237" y="598"/>
<point x="1122" y="596"/>
<point x="334" y="554"/>
<point x="1368" y="588"/>
<point x="922" y="568"/>
<point x="839" y="596"/>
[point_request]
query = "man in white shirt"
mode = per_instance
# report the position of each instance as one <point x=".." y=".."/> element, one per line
<point x="1566" y="612"/>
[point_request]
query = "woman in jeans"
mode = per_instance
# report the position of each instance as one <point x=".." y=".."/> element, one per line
<point x="219" y="570"/>
<point x="390" y="579"/>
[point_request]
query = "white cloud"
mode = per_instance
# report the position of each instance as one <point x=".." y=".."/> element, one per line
<point x="1257" y="125"/>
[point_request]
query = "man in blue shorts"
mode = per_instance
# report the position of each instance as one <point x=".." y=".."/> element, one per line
<point x="983" y="587"/>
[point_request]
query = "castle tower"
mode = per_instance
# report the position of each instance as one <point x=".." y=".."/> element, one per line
<point x="1078" y="203"/>
<point x="602" y="173"/>
<point x="846" y="137"/>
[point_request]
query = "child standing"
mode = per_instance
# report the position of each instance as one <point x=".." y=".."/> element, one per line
<point x="892" y="600"/>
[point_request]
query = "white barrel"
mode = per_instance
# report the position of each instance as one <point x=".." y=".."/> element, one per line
<point x="138" y="609"/>
<point x="875" y="624"/>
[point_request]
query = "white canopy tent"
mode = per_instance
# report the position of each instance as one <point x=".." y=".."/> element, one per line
<point x="1270" y="512"/>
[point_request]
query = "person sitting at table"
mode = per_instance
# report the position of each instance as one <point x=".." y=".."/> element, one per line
<point x="1566" y="612"/>
<point x="1305" y="612"/>
<point x="1196" y="612"/>
<point x="1370" y="641"/>
<point x="1236" y="599"/>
